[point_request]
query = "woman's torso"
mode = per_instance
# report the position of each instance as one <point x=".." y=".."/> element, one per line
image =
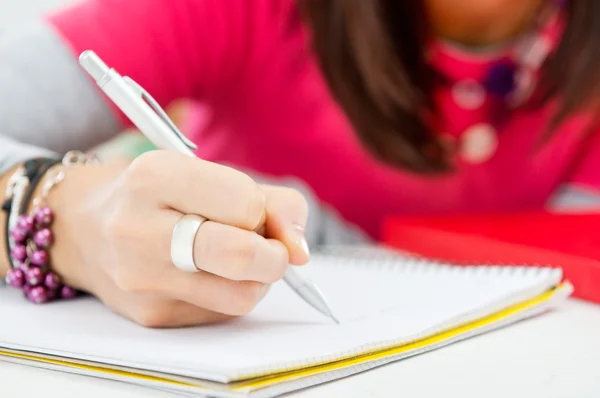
<point x="281" y="120"/>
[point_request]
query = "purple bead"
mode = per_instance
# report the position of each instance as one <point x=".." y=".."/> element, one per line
<point x="44" y="216"/>
<point x="52" y="281"/>
<point x="26" y="289"/>
<point x="52" y="293"/>
<point x="15" y="278"/>
<point x="500" y="80"/>
<point x="68" y="292"/>
<point x="38" y="295"/>
<point x="18" y="235"/>
<point x="39" y="258"/>
<point x="18" y="253"/>
<point x="34" y="276"/>
<point x="26" y="224"/>
<point x="22" y="266"/>
<point x="43" y="238"/>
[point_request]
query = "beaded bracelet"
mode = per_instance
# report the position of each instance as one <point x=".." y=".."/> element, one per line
<point x="27" y="176"/>
<point x="33" y="238"/>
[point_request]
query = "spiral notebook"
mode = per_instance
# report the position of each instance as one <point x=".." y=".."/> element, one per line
<point x="391" y="307"/>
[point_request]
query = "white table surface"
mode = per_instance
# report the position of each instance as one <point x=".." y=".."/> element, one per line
<point x="554" y="355"/>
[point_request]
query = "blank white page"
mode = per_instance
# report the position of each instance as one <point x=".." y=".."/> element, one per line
<point x="377" y="304"/>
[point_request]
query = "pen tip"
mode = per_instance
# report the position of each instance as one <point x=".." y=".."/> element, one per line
<point x="335" y="319"/>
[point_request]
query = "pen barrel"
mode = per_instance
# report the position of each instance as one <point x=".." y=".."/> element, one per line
<point x="143" y="116"/>
<point x="293" y="280"/>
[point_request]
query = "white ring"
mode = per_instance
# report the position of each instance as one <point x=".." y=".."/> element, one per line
<point x="182" y="242"/>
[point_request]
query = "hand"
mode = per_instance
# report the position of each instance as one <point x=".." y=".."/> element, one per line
<point x="113" y="231"/>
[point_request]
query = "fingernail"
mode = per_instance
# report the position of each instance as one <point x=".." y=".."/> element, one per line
<point x="300" y="238"/>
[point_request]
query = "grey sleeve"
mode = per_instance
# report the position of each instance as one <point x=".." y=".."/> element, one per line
<point x="47" y="102"/>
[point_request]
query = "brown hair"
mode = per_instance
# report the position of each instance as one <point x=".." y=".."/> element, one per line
<point x="371" y="54"/>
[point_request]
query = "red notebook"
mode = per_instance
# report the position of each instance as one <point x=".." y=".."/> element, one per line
<point x="568" y="241"/>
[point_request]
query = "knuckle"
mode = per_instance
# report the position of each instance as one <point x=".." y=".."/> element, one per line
<point x="279" y="272"/>
<point x="278" y="263"/>
<point x="245" y="298"/>
<point x="149" y="159"/>
<point x="142" y="173"/>
<point x="256" y="204"/>
<point x="228" y="253"/>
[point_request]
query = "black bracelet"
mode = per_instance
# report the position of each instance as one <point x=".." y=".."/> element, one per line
<point x="34" y="181"/>
<point x="34" y="171"/>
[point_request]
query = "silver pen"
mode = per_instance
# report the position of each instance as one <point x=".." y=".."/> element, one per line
<point x="147" y="115"/>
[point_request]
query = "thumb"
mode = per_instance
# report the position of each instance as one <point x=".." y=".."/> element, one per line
<point x="285" y="220"/>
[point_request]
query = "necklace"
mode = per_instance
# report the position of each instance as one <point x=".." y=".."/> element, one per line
<point x="507" y="82"/>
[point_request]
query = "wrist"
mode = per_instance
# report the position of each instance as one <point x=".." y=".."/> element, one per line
<point x="19" y="227"/>
<point x="4" y="263"/>
<point x="31" y="226"/>
<point x="72" y="202"/>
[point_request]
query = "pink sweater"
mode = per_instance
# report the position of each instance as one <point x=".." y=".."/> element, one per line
<point x="263" y="104"/>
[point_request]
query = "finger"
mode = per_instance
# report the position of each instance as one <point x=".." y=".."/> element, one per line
<point x="194" y="186"/>
<point x="214" y="293"/>
<point x="238" y="254"/>
<point x="286" y="215"/>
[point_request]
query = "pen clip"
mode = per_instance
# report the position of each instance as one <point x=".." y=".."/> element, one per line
<point x="161" y="113"/>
